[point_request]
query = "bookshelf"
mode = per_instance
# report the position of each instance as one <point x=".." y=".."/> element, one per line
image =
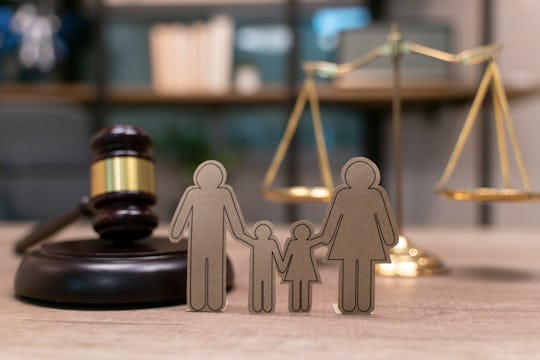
<point x="99" y="94"/>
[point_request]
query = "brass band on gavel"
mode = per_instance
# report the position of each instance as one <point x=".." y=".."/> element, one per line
<point x="122" y="184"/>
<point x="122" y="173"/>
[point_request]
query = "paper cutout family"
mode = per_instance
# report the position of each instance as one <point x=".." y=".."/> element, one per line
<point x="358" y="228"/>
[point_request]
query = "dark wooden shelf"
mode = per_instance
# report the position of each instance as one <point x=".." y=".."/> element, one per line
<point x="145" y="96"/>
<point x="367" y="96"/>
<point x="43" y="93"/>
<point x="422" y="92"/>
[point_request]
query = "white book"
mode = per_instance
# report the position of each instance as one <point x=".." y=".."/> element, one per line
<point x="179" y="62"/>
<point x="196" y="58"/>
<point x="200" y="56"/>
<point x="158" y="56"/>
<point x="190" y="58"/>
<point x="221" y="48"/>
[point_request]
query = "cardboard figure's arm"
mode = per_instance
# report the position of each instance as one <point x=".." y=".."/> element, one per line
<point x="245" y="239"/>
<point x="385" y="221"/>
<point x="330" y="224"/>
<point x="181" y="216"/>
<point x="287" y="257"/>
<point x="236" y="220"/>
<point x="319" y="240"/>
<point x="278" y="257"/>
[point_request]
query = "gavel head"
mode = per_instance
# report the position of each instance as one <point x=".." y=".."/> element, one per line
<point x="122" y="182"/>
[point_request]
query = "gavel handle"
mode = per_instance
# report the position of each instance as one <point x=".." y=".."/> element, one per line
<point x="45" y="229"/>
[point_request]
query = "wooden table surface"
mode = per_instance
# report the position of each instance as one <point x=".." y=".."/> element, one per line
<point x="488" y="306"/>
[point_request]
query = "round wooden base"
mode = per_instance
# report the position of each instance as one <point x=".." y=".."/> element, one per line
<point x="101" y="273"/>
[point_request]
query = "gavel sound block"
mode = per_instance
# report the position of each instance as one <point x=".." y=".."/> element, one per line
<point x="125" y="266"/>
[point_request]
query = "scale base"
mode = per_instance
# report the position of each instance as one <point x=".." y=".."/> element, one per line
<point x="409" y="261"/>
<point x="96" y="273"/>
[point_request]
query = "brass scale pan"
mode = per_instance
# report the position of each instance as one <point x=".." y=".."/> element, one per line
<point x="488" y="194"/>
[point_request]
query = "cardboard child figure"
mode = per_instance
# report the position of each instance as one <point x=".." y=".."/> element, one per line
<point x="208" y="207"/>
<point x="301" y="269"/>
<point x="264" y="253"/>
<point x="359" y="226"/>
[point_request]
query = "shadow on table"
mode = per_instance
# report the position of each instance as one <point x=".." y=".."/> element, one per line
<point x="100" y="307"/>
<point x="489" y="273"/>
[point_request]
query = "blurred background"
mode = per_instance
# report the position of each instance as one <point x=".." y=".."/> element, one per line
<point x="217" y="79"/>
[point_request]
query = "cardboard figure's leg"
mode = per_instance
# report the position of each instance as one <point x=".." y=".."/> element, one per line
<point x="268" y="296"/>
<point x="251" y="292"/>
<point x="294" y="296"/>
<point x="348" y="285"/>
<point x="197" y="284"/>
<point x="365" y="286"/>
<point x="306" y="296"/>
<point x="257" y="300"/>
<point x="216" y="284"/>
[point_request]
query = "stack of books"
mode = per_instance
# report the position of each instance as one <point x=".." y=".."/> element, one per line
<point x="195" y="58"/>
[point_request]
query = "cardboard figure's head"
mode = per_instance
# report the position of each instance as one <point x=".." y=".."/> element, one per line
<point x="301" y="231"/>
<point x="210" y="174"/>
<point x="263" y="231"/>
<point x="360" y="174"/>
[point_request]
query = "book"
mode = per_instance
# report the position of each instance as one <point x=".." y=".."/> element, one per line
<point x="195" y="58"/>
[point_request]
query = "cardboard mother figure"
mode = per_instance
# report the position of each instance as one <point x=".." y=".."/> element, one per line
<point x="208" y="206"/>
<point x="359" y="226"/>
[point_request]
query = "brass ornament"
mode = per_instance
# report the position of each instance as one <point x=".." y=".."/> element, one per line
<point x="301" y="193"/>
<point x="122" y="173"/>
<point x="504" y="128"/>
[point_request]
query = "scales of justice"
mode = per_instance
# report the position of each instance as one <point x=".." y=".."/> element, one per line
<point x="406" y="259"/>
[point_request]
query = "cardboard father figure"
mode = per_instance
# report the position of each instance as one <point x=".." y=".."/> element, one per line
<point x="208" y="206"/>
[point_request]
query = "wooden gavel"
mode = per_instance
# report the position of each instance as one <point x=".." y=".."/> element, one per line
<point x="123" y="184"/>
<point x="122" y="190"/>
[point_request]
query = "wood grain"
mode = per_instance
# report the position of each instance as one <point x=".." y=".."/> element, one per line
<point x="487" y="307"/>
